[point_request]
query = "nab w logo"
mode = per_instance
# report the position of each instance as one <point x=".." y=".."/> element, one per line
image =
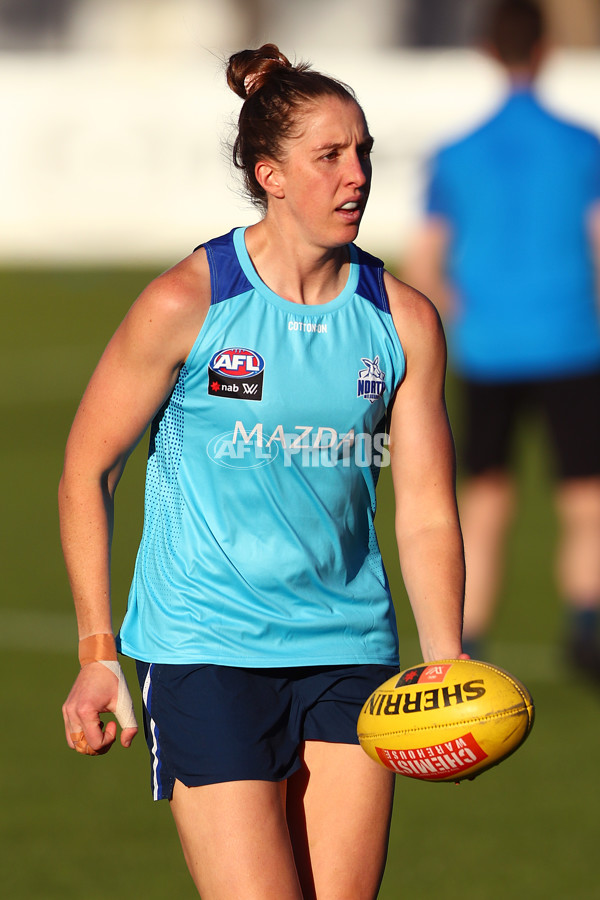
<point x="236" y="372"/>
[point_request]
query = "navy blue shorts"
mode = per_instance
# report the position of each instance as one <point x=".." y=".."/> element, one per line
<point x="207" y="724"/>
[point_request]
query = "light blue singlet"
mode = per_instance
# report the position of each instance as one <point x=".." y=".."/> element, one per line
<point x="258" y="546"/>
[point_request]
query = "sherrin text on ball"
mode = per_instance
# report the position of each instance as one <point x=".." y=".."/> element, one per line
<point x="446" y="721"/>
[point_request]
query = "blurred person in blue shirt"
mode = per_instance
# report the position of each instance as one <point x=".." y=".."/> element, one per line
<point x="508" y="251"/>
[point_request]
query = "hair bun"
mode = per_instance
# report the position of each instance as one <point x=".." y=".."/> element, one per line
<point x="248" y="70"/>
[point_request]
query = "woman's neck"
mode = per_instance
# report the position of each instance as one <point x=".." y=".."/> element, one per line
<point x="296" y="270"/>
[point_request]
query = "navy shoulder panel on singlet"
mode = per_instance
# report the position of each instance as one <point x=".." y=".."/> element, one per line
<point x="370" y="281"/>
<point x="227" y="278"/>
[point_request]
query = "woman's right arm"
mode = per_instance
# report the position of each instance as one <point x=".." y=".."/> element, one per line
<point x="134" y="377"/>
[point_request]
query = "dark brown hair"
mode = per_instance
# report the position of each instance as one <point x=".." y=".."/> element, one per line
<point x="515" y="29"/>
<point x="275" y="93"/>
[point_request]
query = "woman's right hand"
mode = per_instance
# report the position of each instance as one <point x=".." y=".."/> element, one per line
<point x="98" y="689"/>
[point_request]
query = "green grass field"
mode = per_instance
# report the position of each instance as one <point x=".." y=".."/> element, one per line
<point x="74" y="826"/>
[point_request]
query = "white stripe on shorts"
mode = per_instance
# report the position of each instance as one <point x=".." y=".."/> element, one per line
<point x="154" y="750"/>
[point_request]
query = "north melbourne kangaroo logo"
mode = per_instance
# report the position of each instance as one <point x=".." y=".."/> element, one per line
<point x="371" y="380"/>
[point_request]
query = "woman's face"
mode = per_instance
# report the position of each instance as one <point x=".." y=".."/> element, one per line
<point x="325" y="176"/>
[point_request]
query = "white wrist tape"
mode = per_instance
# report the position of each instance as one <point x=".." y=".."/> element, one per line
<point x="124" y="712"/>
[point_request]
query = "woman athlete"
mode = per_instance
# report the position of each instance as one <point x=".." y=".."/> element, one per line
<point x="270" y="363"/>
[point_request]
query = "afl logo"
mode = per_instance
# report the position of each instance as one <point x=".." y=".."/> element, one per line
<point x="236" y="372"/>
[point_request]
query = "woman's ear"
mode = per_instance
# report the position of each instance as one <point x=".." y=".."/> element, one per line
<point x="270" y="178"/>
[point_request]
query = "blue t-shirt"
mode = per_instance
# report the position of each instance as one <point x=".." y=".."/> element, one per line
<point x="517" y="193"/>
<point x="259" y="547"/>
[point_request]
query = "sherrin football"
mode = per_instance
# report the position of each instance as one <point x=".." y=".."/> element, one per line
<point x="446" y="720"/>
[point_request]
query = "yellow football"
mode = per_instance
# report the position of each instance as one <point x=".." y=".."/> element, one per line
<point x="446" y="720"/>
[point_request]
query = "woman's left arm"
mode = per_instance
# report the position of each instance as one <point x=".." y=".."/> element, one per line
<point x="423" y="471"/>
